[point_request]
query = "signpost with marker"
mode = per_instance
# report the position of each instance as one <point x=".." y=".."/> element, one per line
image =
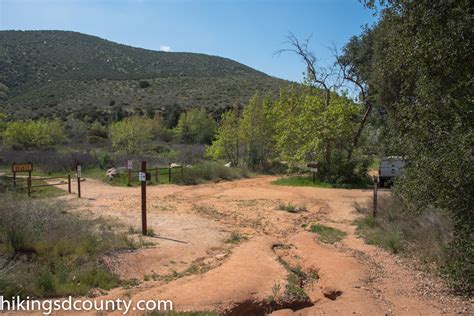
<point x="143" y="177"/>
<point x="313" y="167"/>
<point x="22" y="167"/>
<point x="129" y="168"/>
<point x="78" y="173"/>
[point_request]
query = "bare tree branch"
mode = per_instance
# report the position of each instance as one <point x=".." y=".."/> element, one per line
<point x="318" y="77"/>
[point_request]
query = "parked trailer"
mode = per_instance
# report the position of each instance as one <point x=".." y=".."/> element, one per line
<point x="390" y="168"/>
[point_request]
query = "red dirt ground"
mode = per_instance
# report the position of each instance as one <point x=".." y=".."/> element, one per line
<point x="239" y="278"/>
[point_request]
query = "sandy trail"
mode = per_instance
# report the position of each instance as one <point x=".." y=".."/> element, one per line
<point x="203" y="272"/>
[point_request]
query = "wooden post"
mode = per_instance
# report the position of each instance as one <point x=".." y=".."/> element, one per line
<point x="69" y="183"/>
<point x="28" y="183"/>
<point x="182" y="173"/>
<point x="129" y="169"/>
<point x="78" y="171"/>
<point x="143" y="184"/>
<point x="374" y="210"/>
<point x="314" y="177"/>
<point x="14" y="175"/>
<point x="169" y="172"/>
<point x="156" y="175"/>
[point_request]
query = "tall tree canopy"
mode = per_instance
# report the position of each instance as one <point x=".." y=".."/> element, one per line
<point x="417" y="63"/>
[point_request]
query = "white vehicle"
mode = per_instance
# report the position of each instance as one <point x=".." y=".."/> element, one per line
<point x="390" y="167"/>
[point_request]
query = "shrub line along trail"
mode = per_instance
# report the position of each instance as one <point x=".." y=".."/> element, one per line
<point x="210" y="272"/>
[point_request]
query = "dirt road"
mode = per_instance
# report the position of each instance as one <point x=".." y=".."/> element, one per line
<point x="225" y="247"/>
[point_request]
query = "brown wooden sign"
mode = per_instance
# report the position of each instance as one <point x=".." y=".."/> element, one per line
<point x="313" y="165"/>
<point x="22" y="167"/>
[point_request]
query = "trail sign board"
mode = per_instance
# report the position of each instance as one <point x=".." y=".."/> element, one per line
<point x="130" y="164"/>
<point x="144" y="176"/>
<point x="313" y="166"/>
<point x="22" y="167"/>
<point x="79" y="169"/>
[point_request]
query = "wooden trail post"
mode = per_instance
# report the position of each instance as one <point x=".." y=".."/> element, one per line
<point x="313" y="167"/>
<point x="78" y="171"/>
<point x="182" y="173"/>
<point x="29" y="185"/>
<point x="28" y="182"/>
<point x="129" y="168"/>
<point x="69" y="183"/>
<point x="143" y="177"/>
<point x="374" y="210"/>
<point x="169" y="172"/>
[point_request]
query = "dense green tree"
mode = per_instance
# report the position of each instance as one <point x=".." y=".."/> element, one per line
<point x="227" y="141"/>
<point x="132" y="135"/>
<point x="256" y="132"/>
<point x="195" y="126"/>
<point x="416" y="64"/>
<point x="307" y="129"/>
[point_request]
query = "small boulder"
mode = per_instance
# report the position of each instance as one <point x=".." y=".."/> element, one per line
<point x="111" y="173"/>
<point x="228" y="165"/>
<point x="331" y="292"/>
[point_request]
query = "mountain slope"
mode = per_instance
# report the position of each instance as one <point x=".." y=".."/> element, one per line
<point x="58" y="73"/>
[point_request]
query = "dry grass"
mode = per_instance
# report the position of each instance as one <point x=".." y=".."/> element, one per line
<point x="48" y="252"/>
<point x="424" y="235"/>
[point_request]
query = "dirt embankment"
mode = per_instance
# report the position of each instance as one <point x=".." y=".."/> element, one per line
<point x="225" y="247"/>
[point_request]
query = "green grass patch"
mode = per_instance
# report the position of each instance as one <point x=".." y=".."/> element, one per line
<point x="307" y="181"/>
<point x="297" y="181"/>
<point x="48" y="191"/>
<point x="327" y="234"/>
<point x="375" y="235"/>
<point x="236" y="238"/>
<point x="296" y="281"/>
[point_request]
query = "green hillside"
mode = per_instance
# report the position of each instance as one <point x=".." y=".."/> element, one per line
<point x="58" y="73"/>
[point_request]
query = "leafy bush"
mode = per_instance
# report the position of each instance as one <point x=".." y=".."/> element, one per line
<point x="34" y="134"/>
<point x="143" y="84"/>
<point x="98" y="130"/>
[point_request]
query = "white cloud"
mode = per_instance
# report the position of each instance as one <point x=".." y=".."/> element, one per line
<point x="165" y="48"/>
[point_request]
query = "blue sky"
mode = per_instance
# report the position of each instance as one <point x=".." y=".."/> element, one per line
<point x="247" y="31"/>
